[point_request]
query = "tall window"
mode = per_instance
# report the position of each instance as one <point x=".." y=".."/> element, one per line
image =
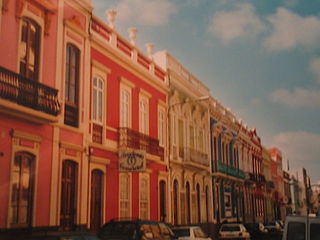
<point x="181" y="138"/>
<point x="22" y="190"/>
<point x="175" y="202"/>
<point x="97" y="109"/>
<point x="191" y="129"/>
<point x="96" y="199"/>
<point x="125" y="195"/>
<point x="188" y="207"/>
<point x="198" y="204"/>
<point x="144" y="198"/>
<point x="143" y="116"/>
<point x="72" y="85"/>
<point x="125" y="102"/>
<point x="30" y="49"/>
<point x="163" y="197"/>
<point x="161" y="126"/>
<point x="68" y="194"/>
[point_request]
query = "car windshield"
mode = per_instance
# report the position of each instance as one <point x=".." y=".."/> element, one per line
<point x="231" y="228"/>
<point x="119" y="228"/>
<point x="181" y="232"/>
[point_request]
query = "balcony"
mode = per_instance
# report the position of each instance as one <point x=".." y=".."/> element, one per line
<point x="27" y="99"/>
<point x="197" y="157"/>
<point x="230" y="170"/>
<point x="129" y="138"/>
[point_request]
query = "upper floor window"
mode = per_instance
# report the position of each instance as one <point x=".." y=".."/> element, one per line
<point x="125" y="107"/>
<point x="30" y="49"/>
<point x="143" y="115"/>
<point x="97" y="100"/>
<point x="161" y="126"/>
<point x="97" y="109"/>
<point x="72" y="85"/>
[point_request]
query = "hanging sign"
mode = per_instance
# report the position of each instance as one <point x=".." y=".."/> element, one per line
<point x="132" y="160"/>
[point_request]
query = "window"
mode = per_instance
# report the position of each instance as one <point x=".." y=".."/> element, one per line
<point x="96" y="199"/>
<point x="68" y="209"/>
<point x="125" y="195"/>
<point x="22" y="190"/>
<point x="97" y="109"/>
<point x="188" y="207"/>
<point x="198" y="204"/>
<point x="175" y="202"/>
<point x="200" y="141"/>
<point x="181" y="138"/>
<point x="30" y="49"/>
<point x="162" y="196"/>
<point x="72" y="85"/>
<point x="144" y="198"/>
<point x="143" y="115"/>
<point x="191" y="135"/>
<point x="161" y="126"/>
<point x="125" y="106"/>
<point x="296" y="231"/>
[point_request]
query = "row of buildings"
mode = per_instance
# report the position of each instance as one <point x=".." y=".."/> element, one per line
<point x="91" y="129"/>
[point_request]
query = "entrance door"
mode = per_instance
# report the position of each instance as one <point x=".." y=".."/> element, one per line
<point x="96" y="199"/>
<point x="68" y="194"/>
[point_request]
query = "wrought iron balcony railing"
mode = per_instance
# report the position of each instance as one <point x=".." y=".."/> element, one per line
<point x="28" y="93"/>
<point x="133" y="139"/>
<point x="230" y="170"/>
<point x="270" y="184"/>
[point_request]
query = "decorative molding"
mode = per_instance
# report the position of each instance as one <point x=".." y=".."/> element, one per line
<point x="71" y="146"/>
<point x="100" y="66"/>
<point x="27" y="136"/>
<point x="99" y="160"/>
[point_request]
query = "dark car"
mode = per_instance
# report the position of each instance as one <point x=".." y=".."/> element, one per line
<point x="135" y="229"/>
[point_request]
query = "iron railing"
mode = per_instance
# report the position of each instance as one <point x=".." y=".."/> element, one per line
<point x="23" y="91"/>
<point x="230" y="170"/>
<point x="133" y="139"/>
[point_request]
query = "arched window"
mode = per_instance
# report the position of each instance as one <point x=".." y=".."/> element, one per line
<point x="175" y="202"/>
<point x="22" y="189"/>
<point x="198" y="204"/>
<point x="72" y="85"/>
<point x="30" y="49"/>
<point x="163" y="197"/>
<point x="96" y="199"/>
<point x="68" y="194"/>
<point x="188" y="207"/>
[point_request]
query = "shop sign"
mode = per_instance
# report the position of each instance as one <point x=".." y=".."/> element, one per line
<point x="132" y="160"/>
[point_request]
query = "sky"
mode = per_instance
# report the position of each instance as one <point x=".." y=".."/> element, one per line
<point x="259" y="58"/>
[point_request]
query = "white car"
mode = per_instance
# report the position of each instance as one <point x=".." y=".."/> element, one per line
<point x="233" y="231"/>
<point x="189" y="233"/>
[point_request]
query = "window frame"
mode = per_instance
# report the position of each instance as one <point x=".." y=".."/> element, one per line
<point x="72" y="82"/>
<point x="143" y="115"/>
<point x="127" y="121"/>
<point x="162" y="126"/>
<point x="128" y="193"/>
<point x="144" y="192"/>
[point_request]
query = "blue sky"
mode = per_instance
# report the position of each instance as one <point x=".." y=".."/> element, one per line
<point x="260" y="58"/>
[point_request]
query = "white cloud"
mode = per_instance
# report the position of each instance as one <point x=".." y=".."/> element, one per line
<point x="145" y="12"/>
<point x="315" y="67"/>
<point x="240" y="23"/>
<point x="290" y="30"/>
<point x="299" y="97"/>
<point x="302" y="149"/>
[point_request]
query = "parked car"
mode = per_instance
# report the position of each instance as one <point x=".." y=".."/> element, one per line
<point x="135" y="229"/>
<point x="256" y="230"/>
<point x="273" y="226"/>
<point x="301" y="228"/>
<point x="233" y="231"/>
<point x="189" y="233"/>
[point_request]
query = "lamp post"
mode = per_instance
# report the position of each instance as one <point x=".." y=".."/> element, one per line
<point x="202" y="98"/>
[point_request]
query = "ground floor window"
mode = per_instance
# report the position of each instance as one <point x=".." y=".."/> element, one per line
<point x="22" y="189"/>
<point x="96" y="199"/>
